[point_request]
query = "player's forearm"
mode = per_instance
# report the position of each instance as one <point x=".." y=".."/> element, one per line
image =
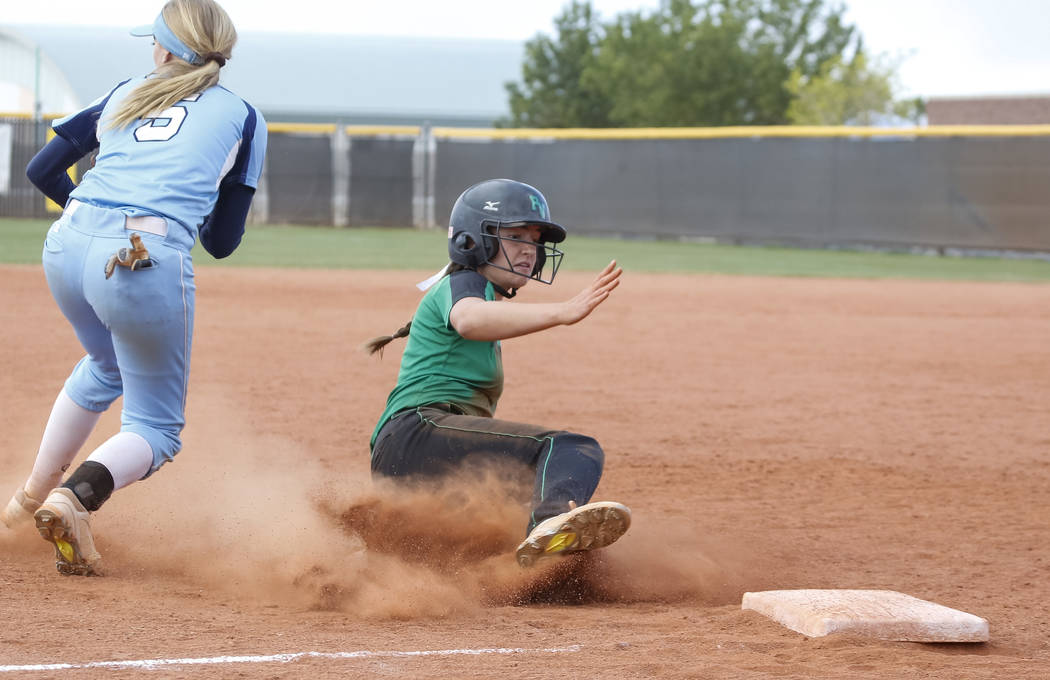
<point x="47" y="169"/>
<point x="492" y="320"/>
<point x="221" y="233"/>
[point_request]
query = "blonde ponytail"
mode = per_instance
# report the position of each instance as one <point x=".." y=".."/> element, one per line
<point x="204" y="27"/>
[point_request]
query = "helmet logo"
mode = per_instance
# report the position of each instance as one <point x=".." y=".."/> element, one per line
<point x="538" y="206"/>
<point x="492" y="206"/>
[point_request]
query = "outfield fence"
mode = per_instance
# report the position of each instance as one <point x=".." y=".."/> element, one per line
<point x="965" y="187"/>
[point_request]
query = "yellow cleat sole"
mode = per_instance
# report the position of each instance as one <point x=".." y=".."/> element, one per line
<point x="560" y="541"/>
<point x="68" y="554"/>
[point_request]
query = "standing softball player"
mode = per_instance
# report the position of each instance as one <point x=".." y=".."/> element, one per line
<point x="440" y="413"/>
<point x="178" y="156"/>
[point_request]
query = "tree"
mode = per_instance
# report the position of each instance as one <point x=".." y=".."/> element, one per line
<point x="689" y="62"/>
<point x="857" y="92"/>
<point x="554" y="90"/>
<point x="678" y="66"/>
<point x="796" y="35"/>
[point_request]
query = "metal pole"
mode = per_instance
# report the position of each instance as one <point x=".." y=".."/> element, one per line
<point x="419" y="173"/>
<point x="341" y="189"/>
<point x="431" y="180"/>
<point x="260" y="210"/>
<point x="38" y="106"/>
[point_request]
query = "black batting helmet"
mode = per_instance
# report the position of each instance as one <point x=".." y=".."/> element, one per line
<point x="486" y="207"/>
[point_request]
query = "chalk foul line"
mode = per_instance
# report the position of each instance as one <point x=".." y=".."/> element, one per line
<point x="283" y="658"/>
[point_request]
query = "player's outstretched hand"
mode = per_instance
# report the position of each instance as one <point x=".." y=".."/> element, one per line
<point x="583" y="303"/>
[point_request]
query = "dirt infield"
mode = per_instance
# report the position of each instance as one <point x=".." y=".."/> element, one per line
<point x="767" y="433"/>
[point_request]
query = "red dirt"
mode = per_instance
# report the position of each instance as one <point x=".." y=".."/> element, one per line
<point x="767" y="433"/>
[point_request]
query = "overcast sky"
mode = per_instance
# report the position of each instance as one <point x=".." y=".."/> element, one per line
<point x="945" y="47"/>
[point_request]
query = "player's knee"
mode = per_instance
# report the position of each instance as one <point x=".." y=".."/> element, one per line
<point x="103" y="370"/>
<point x="164" y="442"/>
<point x="94" y="385"/>
<point x="582" y="446"/>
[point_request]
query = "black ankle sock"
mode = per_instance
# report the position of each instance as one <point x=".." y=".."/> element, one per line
<point x="92" y="483"/>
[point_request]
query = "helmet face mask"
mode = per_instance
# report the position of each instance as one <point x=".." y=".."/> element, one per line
<point x="486" y="208"/>
<point x="548" y="257"/>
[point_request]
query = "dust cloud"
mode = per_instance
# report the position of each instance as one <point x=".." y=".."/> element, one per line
<point x="255" y="516"/>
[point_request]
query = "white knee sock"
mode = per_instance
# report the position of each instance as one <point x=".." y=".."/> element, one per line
<point x="127" y="456"/>
<point x="67" y="429"/>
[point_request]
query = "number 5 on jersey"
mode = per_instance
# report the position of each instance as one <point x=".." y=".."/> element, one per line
<point x="164" y="125"/>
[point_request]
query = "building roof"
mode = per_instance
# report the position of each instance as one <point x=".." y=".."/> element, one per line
<point x="306" y="77"/>
<point x="1033" y="109"/>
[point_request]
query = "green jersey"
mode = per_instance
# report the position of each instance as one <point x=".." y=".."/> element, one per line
<point x="441" y="366"/>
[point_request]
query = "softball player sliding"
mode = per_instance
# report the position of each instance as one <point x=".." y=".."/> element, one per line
<point x="441" y="410"/>
<point x="178" y="156"/>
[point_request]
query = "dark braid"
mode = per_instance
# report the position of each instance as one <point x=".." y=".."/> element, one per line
<point x="377" y="344"/>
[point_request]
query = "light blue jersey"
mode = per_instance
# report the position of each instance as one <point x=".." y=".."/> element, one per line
<point x="173" y="164"/>
<point x="159" y="177"/>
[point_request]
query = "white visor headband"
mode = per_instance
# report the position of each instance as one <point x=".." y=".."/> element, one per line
<point x="166" y="39"/>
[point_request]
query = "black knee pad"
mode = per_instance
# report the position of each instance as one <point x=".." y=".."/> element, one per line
<point x="92" y="483"/>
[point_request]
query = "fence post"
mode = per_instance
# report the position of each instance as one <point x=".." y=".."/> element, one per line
<point x="424" y="177"/>
<point x="431" y="180"/>
<point x="419" y="161"/>
<point x="341" y="189"/>
<point x="260" y="210"/>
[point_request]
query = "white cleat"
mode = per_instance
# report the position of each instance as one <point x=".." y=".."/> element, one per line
<point x="19" y="509"/>
<point x="587" y="527"/>
<point x="64" y="522"/>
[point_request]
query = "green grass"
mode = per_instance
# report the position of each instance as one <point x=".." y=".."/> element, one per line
<point x="321" y="247"/>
